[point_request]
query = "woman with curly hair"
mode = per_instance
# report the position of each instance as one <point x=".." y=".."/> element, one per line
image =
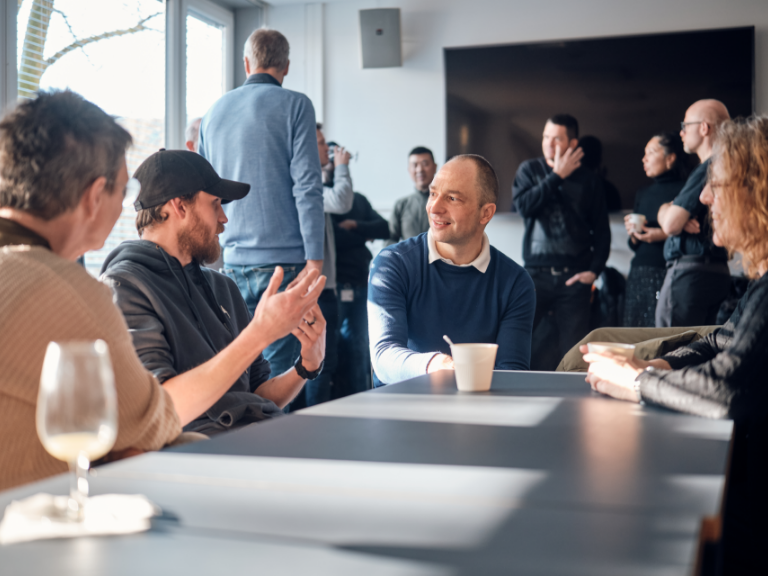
<point x="723" y="375"/>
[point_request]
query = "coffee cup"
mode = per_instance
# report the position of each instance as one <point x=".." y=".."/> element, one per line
<point x="626" y="350"/>
<point x="637" y="221"/>
<point x="474" y="364"/>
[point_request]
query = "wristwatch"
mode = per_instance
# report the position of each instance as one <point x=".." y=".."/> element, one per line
<point x="306" y="374"/>
<point x="637" y="385"/>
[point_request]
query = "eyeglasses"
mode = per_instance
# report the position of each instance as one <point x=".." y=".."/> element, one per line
<point x="715" y="185"/>
<point x="684" y="124"/>
<point x="131" y="192"/>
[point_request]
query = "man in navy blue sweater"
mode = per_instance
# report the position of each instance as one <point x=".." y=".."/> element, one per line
<point x="449" y="280"/>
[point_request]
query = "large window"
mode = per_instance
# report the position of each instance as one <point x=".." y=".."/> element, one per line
<point x="205" y="59"/>
<point x="152" y="64"/>
<point x="112" y="52"/>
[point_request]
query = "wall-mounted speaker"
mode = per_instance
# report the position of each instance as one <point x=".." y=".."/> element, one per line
<point x="380" y="38"/>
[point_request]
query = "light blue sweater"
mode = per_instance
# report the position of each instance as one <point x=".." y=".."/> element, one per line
<point x="264" y="135"/>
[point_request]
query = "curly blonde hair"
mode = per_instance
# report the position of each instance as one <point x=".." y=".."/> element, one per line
<point x="741" y="151"/>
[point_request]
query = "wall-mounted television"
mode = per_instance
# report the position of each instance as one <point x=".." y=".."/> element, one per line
<point x="622" y="90"/>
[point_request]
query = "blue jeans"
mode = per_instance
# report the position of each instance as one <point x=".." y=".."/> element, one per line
<point x="252" y="282"/>
<point x="353" y="373"/>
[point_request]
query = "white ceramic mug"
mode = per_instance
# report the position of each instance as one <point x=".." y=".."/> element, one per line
<point x="474" y="366"/>
<point x="626" y="350"/>
<point x="637" y="221"/>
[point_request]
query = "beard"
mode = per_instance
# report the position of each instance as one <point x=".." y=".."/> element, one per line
<point x="200" y="241"/>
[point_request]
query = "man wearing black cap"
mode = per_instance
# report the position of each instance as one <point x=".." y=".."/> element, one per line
<point x="181" y="315"/>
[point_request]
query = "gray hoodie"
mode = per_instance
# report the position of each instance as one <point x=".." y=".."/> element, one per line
<point x="181" y="317"/>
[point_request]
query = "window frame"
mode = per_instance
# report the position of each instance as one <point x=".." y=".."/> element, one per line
<point x="176" y="59"/>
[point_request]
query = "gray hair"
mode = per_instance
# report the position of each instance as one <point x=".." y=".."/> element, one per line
<point x="267" y="49"/>
<point x="52" y="148"/>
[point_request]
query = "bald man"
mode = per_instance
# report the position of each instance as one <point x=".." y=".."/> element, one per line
<point x="698" y="278"/>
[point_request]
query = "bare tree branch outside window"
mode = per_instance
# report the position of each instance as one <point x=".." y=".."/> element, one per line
<point x="33" y="65"/>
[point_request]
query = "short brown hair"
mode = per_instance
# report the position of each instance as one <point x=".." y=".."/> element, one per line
<point x="741" y="149"/>
<point x="52" y="148"/>
<point x="148" y="217"/>
<point x="486" y="178"/>
<point x="267" y="49"/>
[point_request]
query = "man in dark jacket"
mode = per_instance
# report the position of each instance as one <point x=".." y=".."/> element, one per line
<point x="567" y="239"/>
<point x="353" y="261"/>
<point x="181" y="315"/>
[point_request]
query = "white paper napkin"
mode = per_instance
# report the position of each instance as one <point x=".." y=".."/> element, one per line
<point x="36" y="517"/>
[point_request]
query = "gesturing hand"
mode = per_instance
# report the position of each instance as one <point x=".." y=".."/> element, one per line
<point x="311" y="334"/>
<point x="583" y="277"/>
<point x="568" y="162"/>
<point x="310" y="265"/>
<point x="279" y="313"/>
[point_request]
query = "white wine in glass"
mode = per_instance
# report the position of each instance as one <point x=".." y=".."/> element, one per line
<point x="77" y="411"/>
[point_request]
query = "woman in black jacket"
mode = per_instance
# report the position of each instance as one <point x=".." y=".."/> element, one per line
<point x="663" y="162"/>
<point x="723" y="375"/>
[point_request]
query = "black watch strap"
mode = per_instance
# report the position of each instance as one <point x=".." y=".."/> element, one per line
<point x="306" y="374"/>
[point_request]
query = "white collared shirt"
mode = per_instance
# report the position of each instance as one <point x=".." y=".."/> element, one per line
<point x="481" y="262"/>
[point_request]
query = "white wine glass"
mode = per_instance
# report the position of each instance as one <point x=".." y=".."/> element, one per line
<point x="77" y="411"/>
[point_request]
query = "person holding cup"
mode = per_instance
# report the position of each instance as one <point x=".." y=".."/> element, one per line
<point x="449" y="281"/>
<point x="722" y="375"/>
<point x="662" y="162"/>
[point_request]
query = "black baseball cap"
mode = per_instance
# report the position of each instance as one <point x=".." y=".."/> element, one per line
<point x="168" y="174"/>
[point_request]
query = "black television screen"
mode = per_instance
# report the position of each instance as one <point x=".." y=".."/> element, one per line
<point x="622" y="90"/>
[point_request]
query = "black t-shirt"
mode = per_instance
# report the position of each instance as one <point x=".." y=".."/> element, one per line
<point x="665" y="188"/>
<point x="700" y="244"/>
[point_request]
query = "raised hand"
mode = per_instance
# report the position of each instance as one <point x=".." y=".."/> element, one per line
<point x="278" y="314"/>
<point x="311" y="334"/>
<point x="340" y="156"/>
<point x="567" y="162"/>
<point x="310" y="265"/>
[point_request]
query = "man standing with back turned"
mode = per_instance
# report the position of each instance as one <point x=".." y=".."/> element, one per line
<point x="567" y="238"/>
<point x="265" y="136"/>
<point x="698" y="278"/>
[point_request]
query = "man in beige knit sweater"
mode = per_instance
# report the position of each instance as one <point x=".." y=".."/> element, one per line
<point x="62" y="182"/>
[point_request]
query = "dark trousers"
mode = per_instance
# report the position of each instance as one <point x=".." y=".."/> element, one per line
<point x="692" y="293"/>
<point x="353" y="372"/>
<point x="562" y="316"/>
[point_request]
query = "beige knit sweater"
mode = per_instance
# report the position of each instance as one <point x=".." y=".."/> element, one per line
<point x="45" y="298"/>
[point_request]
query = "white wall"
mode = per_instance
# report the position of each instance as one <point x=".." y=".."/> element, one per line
<point x="383" y="113"/>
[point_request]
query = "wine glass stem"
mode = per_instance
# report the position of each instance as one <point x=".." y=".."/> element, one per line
<point x="78" y="491"/>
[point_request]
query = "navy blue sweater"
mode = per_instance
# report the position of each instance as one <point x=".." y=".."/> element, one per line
<point x="412" y="303"/>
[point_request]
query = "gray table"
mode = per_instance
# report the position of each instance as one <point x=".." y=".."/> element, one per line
<point x="538" y="476"/>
